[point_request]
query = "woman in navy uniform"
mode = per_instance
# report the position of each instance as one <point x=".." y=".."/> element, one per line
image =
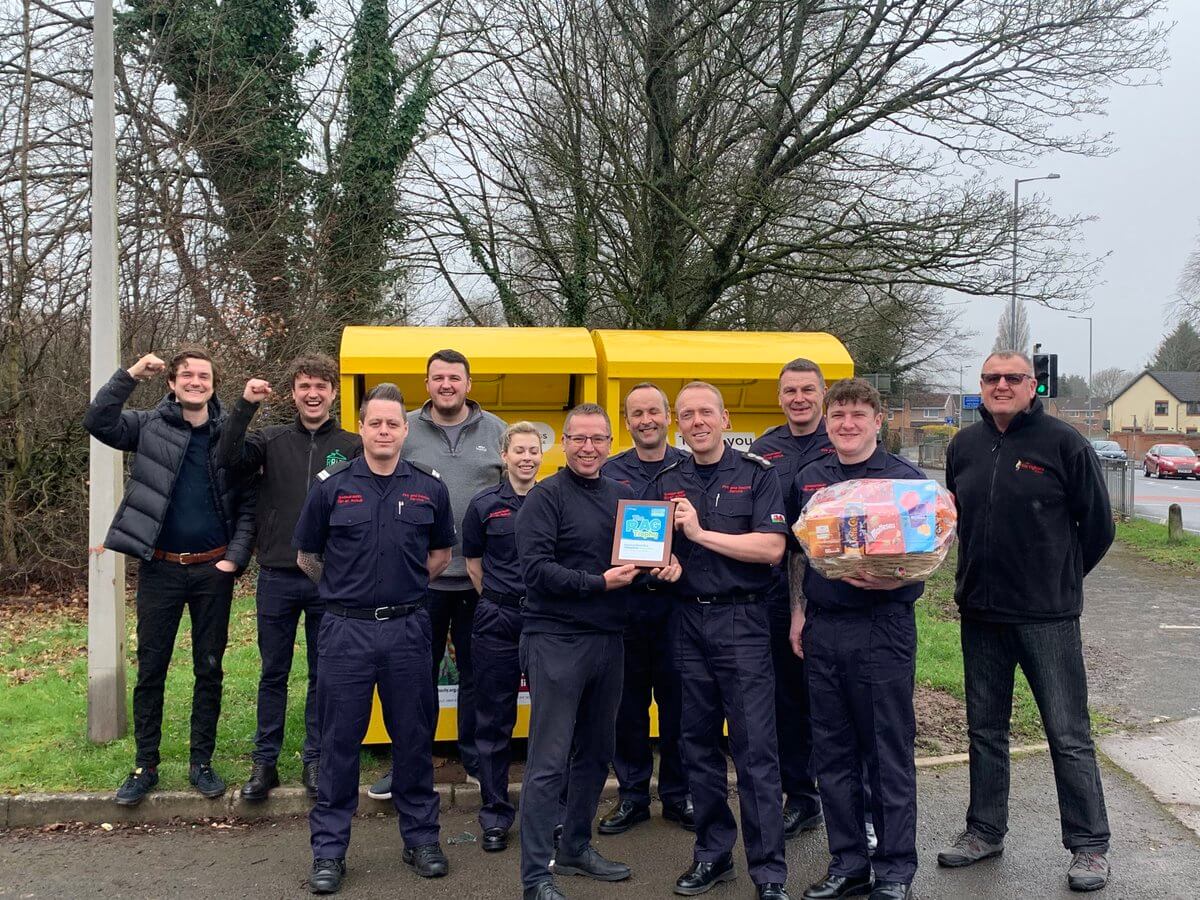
<point x="372" y="533"/>
<point x="859" y="645"/>
<point x="489" y="537"/>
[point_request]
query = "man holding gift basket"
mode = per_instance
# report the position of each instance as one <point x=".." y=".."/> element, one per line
<point x="871" y="521"/>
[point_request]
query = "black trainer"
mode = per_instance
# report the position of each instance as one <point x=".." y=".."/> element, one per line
<point x="202" y="777"/>
<point x="140" y="782"/>
<point x="428" y="860"/>
<point x="309" y="778"/>
<point x="326" y="876"/>
<point x="263" y="777"/>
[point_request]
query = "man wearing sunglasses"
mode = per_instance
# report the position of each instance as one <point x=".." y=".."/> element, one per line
<point x="1033" y="520"/>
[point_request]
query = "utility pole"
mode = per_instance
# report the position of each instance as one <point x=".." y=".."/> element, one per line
<point x="1012" y="308"/>
<point x="1089" y="409"/>
<point x="106" y="570"/>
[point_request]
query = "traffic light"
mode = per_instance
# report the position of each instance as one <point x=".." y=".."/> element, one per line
<point x="1045" y="373"/>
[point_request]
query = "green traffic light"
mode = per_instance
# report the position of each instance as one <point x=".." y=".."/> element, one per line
<point x="1041" y="389"/>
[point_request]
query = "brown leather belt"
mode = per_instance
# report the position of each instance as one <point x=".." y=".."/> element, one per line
<point x="192" y="559"/>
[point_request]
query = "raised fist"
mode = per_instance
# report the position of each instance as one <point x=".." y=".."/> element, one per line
<point x="256" y="391"/>
<point x="147" y="367"/>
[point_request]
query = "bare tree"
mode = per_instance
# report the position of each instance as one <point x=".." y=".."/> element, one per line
<point x="1108" y="382"/>
<point x="1009" y="337"/>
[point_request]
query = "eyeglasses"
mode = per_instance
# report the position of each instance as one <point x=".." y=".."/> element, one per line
<point x="1012" y="379"/>
<point x="597" y="440"/>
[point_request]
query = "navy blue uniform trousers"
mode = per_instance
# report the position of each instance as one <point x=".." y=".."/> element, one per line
<point x="495" y="640"/>
<point x="453" y="615"/>
<point x="792" y="715"/>
<point x="575" y="688"/>
<point x="723" y="655"/>
<point x="649" y="669"/>
<point x="356" y="656"/>
<point x="283" y="594"/>
<point x="861" y="671"/>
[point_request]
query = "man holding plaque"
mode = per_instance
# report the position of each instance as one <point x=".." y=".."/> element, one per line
<point x="730" y="530"/>
<point x="571" y="652"/>
<point x="648" y="664"/>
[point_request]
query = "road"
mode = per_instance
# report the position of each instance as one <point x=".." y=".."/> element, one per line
<point x="1153" y="855"/>
<point x="1152" y="496"/>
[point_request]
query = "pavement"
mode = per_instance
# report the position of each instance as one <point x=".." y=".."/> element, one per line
<point x="1152" y="496"/>
<point x="1153" y="855"/>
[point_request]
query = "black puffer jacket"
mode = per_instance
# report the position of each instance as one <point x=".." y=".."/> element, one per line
<point x="159" y="437"/>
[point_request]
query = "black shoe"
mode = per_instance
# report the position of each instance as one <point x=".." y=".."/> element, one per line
<point x="543" y="890"/>
<point x="136" y="786"/>
<point x="797" y="819"/>
<point x="833" y="886"/>
<point x="309" y="778"/>
<point x="263" y="777"/>
<point x="682" y="812"/>
<point x="591" y="864"/>
<point x="703" y="875"/>
<point x="326" y="876"/>
<point x="202" y="777"/>
<point x="495" y="840"/>
<point x="772" y="891"/>
<point x="428" y="860"/>
<point x="624" y="816"/>
<point x="891" y="890"/>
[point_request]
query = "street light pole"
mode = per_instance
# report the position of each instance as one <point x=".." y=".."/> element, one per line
<point x="1089" y="410"/>
<point x="1012" y="309"/>
<point x="106" y="718"/>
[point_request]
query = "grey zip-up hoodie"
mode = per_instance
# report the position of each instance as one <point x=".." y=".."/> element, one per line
<point x="471" y="465"/>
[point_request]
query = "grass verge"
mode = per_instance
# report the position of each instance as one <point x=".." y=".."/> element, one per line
<point x="1149" y="540"/>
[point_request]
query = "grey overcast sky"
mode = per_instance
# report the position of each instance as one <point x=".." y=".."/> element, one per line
<point x="1145" y="198"/>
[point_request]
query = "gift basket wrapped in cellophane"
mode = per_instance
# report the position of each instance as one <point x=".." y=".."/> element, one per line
<point x="887" y="527"/>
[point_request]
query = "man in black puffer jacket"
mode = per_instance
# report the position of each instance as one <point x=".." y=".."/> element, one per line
<point x="1033" y="519"/>
<point x="192" y="527"/>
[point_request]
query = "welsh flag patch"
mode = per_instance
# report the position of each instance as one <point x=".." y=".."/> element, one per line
<point x="777" y="519"/>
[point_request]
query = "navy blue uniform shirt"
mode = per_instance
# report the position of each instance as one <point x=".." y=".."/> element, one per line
<point x="822" y="592"/>
<point x="632" y="472"/>
<point x="489" y="532"/>
<point x="565" y="536"/>
<point x="742" y="497"/>
<point x="375" y="532"/>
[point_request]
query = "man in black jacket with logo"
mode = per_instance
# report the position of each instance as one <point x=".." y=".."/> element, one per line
<point x="191" y="524"/>
<point x="289" y="458"/>
<point x="1033" y="520"/>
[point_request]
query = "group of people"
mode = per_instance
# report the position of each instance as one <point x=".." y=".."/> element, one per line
<point x="431" y="523"/>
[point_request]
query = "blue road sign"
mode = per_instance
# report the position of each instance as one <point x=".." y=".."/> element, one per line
<point x="971" y="401"/>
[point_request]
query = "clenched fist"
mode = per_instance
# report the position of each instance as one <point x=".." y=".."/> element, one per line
<point x="147" y="367"/>
<point x="256" y="391"/>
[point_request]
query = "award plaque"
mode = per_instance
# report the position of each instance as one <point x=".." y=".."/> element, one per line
<point x="643" y="533"/>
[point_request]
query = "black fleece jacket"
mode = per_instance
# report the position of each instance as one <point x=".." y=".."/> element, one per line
<point x="1033" y="517"/>
<point x="289" y="457"/>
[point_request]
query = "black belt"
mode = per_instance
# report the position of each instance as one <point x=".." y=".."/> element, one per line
<point x="731" y="599"/>
<point x="504" y="599"/>
<point x="379" y="613"/>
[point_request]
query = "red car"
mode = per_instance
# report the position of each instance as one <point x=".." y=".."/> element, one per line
<point x="1171" y="460"/>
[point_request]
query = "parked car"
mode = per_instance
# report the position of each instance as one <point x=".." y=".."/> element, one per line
<point x="1170" y="460"/>
<point x="1108" y="449"/>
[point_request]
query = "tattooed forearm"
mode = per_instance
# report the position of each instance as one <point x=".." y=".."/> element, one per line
<point x="311" y="564"/>
<point x="797" y="563"/>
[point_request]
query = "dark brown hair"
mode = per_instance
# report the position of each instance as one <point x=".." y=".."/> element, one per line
<point x="587" y="409"/>
<point x="187" y="353"/>
<point x="448" y="356"/>
<point x="383" y="391"/>
<point x="314" y="365"/>
<point x="854" y="390"/>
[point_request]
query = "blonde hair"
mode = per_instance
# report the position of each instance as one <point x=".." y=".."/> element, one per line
<point x="518" y="428"/>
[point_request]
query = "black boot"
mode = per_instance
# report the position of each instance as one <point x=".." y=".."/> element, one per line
<point x="309" y="777"/>
<point x="703" y="875"/>
<point x="326" y="876"/>
<point x="263" y="777"/>
<point x="624" y="816"/>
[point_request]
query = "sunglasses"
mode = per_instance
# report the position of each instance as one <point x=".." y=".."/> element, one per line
<point x="1010" y="378"/>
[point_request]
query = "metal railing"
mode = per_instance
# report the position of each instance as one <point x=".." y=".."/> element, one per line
<point x="1120" y="477"/>
<point x="932" y="454"/>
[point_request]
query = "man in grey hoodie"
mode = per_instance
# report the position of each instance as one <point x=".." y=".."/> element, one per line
<point x="462" y="442"/>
